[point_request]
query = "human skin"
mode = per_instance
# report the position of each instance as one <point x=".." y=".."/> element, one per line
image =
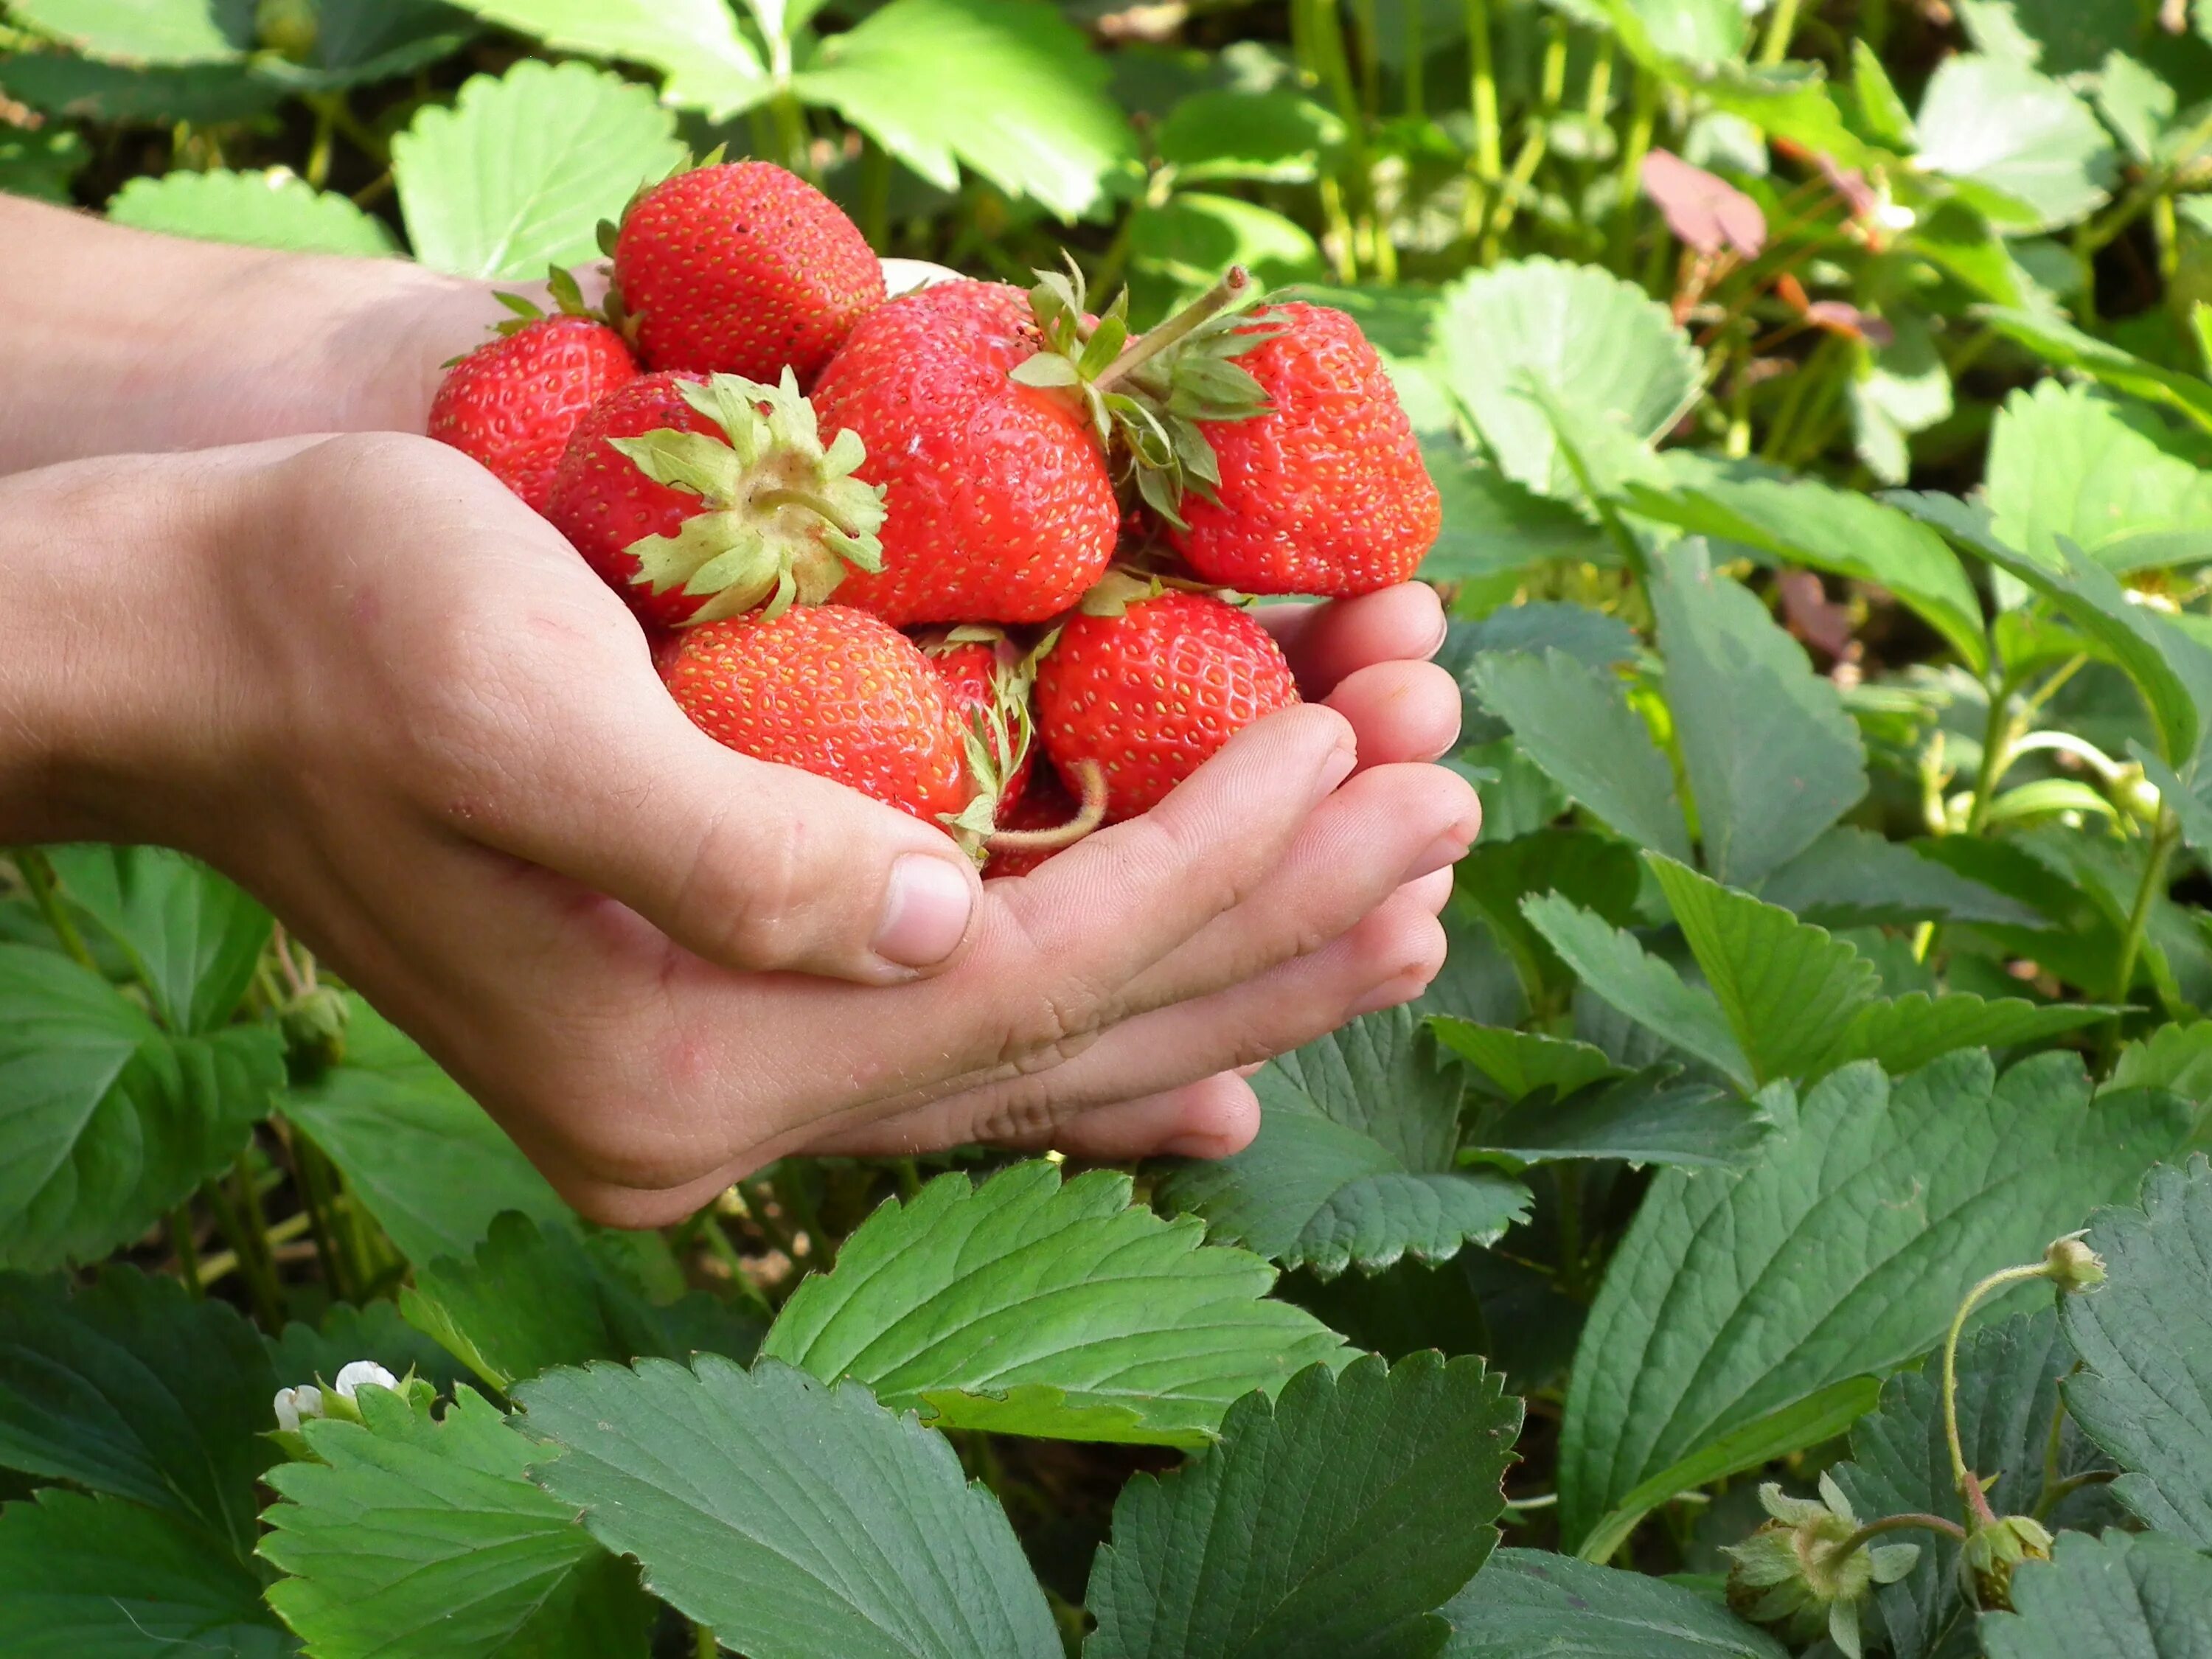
<point x="355" y="674"/>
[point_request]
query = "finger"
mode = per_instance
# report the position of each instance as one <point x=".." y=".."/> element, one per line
<point x="1387" y="827"/>
<point x="749" y="864"/>
<point x="910" y="276"/>
<point x="1390" y="957"/>
<point x="1402" y="711"/>
<point x="1326" y="643"/>
<point x="1211" y="1118"/>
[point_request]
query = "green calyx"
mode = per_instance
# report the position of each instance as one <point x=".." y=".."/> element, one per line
<point x="1994" y="1549"/>
<point x="1809" y="1569"/>
<point x="997" y="740"/>
<point x="785" y="517"/>
<point x="1149" y="397"/>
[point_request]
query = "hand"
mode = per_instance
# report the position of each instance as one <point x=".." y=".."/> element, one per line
<point x="359" y="676"/>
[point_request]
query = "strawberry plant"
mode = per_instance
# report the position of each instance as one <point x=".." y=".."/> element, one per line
<point x="1785" y="1227"/>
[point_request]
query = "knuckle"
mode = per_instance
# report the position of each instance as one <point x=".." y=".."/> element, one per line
<point x="750" y="895"/>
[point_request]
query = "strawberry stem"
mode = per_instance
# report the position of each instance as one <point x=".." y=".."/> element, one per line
<point x="1092" y="777"/>
<point x="772" y="499"/>
<point x="1216" y="300"/>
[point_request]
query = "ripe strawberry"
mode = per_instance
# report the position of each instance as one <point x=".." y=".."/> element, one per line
<point x="1152" y="694"/>
<point x="513" y="404"/>
<point x="1000" y="508"/>
<point x="742" y="268"/>
<point x="698" y="496"/>
<point x="1324" y="493"/>
<point x="986" y="683"/>
<point x="834" y="691"/>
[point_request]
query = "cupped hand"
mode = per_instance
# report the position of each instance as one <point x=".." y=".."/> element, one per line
<point x="390" y="699"/>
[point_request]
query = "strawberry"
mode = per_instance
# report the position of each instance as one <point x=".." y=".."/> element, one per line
<point x="1150" y="693"/>
<point x="741" y="268"/>
<point x="697" y="497"/>
<point x="1326" y="492"/>
<point x="987" y="681"/>
<point x="834" y="691"/>
<point x="511" y="403"/>
<point x="1000" y="507"/>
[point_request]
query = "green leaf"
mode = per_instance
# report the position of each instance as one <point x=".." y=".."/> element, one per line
<point x="261" y="209"/>
<point x="105" y="1122"/>
<point x="2067" y="347"/>
<point x="1843" y="1252"/>
<point x="411" y="1536"/>
<point x="1530" y="1602"/>
<point x="709" y="64"/>
<point x="2137" y="104"/>
<point x="1492" y="524"/>
<point x="1793" y="102"/>
<point x="2133" y="1598"/>
<point x="1785" y="986"/>
<point x="1852" y="878"/>
<point x="86" y="89"/>
<point x="1034" y="1308"/>
<point x="1900" y="1463"/>
<point x="2145" y="1342"/>
<point x="130" y="1386"/>
<point x="2176" y="1057"/>
<point x="531" y="1298"/>
<point x="517" y="175"/>
<point x="144" y="31"/>
<point x="87" y="1577"/>
<point x="419" y="1154"/>
<point x="41" y="164"/>
<point x="372" y="1331"/>
<point x="2063" y="37"/>
<point x="1883" y="112"/>
<point x="358" y="42"/>
<point x="1595" y="870"/>
<point x="1520" y="1063"/>
<point x="1900" y="389"/>
<point x="1030" y="111"/>
<point x="1575" y="722"/>
<point x="1803" y="521"/>
<point x="1598" y="348"/>
<point x="2022" y="148"/>
<point x="191" y="937"/>
<point x="1655" y="1116"/>
<point x="2064" y="461"/>
<point x="1772" y="756"/>
<point x="1335" y="1521"/>
<point x="1906" y="1034"/>
<point x="1354" y="1161"/>
<point x="798" y="1520"/>
<point x="1195" y="236"/>
<point x="1274" y="137"/>
<point x="1623" y="975"/>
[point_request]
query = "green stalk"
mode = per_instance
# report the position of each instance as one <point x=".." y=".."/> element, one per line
<point x="719" y="1246"/>
<point x="1970" y="1488"/>
<point x="186" y="1247"/>
<point x="1643" y="120"/>
<point x="1489" y="149"/>
<point x="37" y="873"/>
<point x="315" y="1198"/>
<point x="1781" y="24"/>
<point x="1874" y="1529"/>
<point x="1417" y="63"/>
<point x="1998" y="738"/>
<point x="876" y="195"/>
<point x="703" y="1645"/>
<point x="2152" y="885"/>
<point x="253" y="1265"/>
<point x="1370" y="57"/>
<point x="1533" y="143"/>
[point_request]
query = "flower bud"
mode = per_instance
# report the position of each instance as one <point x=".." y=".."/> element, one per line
<point x="351" y="1377"/>
<point x="1793" y="1574"/>
<point x="2072" y="1265"/>
<point x="314" y="1025"/>
<point x="1992" y="1552"/>
<point x="292" y="1404"/>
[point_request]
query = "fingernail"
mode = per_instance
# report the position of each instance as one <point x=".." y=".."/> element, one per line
<point x="1389" y="995"/>
<point x="1443" y="633"/>
<point x="1334" y="770"/>
<point x="925" y="912"/>
<point x="1195" y="1147"/>
<point x="1448" y="848"/>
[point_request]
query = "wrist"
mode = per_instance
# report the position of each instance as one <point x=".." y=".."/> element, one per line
<point x="106" y="619"/>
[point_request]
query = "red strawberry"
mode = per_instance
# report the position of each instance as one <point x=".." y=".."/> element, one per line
<point x="1325" y="493"/>
<point x="987" y="684"/>
<point x="742" y="269"/>
<point x="1152" y="694"/>
<point x="699" y="496"/>
<point x="513" y="404"/>
<point x="834" y="691"/>
<point x="1000" y="508"/>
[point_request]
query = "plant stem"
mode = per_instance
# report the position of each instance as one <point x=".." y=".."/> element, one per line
<point x="1223" y="294"/>
<point x="1873" y="1530"/>
<point x="309" y="1170"/>
<point x="253" y="1264"/>
<point x="1780" y="26"/>
<point x="1417" y="63"/>
<point x="1997" y="757"/>
<point x="45" y="892"/>
<point x="186" y="1247"/>
<point x="1643" y="119"/>
<point x="703" y="1645"/>
<point x="1970" y="1488"/>
<point x="876" y="195"/>
<point x="1489" y="150"/>
<point x="2055" y="1492"/>
<point x="719" y="1246"/>
<point x="1530" y="156"/>
<point x="2152" y="885"/>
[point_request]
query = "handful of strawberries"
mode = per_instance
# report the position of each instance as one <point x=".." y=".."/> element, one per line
<point x="903" y="543"/>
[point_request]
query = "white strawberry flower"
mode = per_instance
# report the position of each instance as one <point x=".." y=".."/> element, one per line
<point x="350" y="1377"/>
<point x="292" y="1404"/>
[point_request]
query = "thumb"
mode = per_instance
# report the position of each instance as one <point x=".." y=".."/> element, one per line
<point x="753" y="865"/>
